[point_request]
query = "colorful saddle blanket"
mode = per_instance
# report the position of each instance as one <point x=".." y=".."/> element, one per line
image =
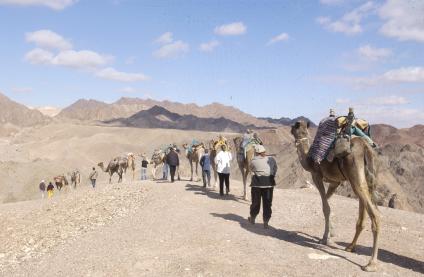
<point x="326" y="134"/>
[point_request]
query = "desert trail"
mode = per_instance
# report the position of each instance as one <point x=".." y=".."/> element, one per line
<point x="180" y="229"/>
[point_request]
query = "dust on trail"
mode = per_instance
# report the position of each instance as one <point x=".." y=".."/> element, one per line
<point x="180" y="229"/>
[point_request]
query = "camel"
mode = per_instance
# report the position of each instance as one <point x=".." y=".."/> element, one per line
<point x="118" y="165"/>
<point x="194" y="156"/>
<point x="75" y="178"/>
<point x="359" y="168"/>
<point x="158" y="158"/>
<point x="60" y="181"/>
<point x="131" y="163"/>
<point x="244" y="162"/>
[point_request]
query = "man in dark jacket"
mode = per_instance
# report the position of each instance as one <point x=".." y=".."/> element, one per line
<point x="205" y="163"/>
<point x="264" y="169"/>
<point x="173" y="161"/>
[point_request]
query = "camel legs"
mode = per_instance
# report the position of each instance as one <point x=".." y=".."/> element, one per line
<point x="359" y="227"/>
<point x="360" y="186"/>
<point x="330" y="191"/>
<point x="191" y="167"/>
<point x="215" y="177"/>
<point x="244" y="173"/>
<point x="325" y="208"/>
<point x="372" y="211"/>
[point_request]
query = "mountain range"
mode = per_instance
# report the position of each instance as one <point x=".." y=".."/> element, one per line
<point x="159" y="117"/>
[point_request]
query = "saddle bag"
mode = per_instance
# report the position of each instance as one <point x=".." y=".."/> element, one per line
<point x="342" y="146"/>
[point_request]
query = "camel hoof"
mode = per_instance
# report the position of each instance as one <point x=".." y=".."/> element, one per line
<point x="371" y="267"/>
<point x="351" y="249"/>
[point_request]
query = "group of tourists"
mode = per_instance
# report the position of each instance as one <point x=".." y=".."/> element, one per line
<point x="46" y="188"/>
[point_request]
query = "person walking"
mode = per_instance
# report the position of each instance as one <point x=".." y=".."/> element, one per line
<point x="222" y="161"/>
<point x="173" y="161"/>
<point x="144" y="164"/>
<point x="42" y="187"/>
<point x="93" y="177"/>
<point x="50" y="189"/>
<point x="264" y="169"/>
<point x="205" y="163"/>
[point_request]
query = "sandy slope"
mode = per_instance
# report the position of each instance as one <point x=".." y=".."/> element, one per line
<point x="163" y="229"/>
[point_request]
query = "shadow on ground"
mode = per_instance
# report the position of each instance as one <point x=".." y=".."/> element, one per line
<point x="390" y="257"/>
<point x="200" y="190"/>
<point x="306" y="240"/>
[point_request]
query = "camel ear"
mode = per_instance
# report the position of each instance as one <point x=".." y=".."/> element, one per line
<point x="308" y="124"/>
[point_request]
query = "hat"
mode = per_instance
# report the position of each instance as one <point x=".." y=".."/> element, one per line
<point x="259" y="149"/>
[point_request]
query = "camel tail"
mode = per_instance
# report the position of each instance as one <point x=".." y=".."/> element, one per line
<point x="371" y="173"/>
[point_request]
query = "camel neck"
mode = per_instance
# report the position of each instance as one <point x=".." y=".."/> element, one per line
<point x="303" y="146"/>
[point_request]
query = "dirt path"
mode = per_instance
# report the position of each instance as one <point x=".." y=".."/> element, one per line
<point x="181" y="230"/>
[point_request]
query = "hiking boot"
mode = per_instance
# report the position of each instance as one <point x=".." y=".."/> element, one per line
<point x="227" y="190"/>
<point x="251" y="219"/>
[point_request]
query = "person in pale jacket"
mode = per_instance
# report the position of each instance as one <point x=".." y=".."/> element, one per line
<point x="222" y="162"/>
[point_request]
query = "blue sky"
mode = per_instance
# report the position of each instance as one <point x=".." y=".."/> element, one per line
<point x="268" y="58"/>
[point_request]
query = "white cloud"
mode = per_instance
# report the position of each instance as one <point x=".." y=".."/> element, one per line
<point x="209" y="46"/>
<point x="83" y="59"/>
<point x="232" y="29"/>
<point x="405" y="74"/>
<point x="165" y="38"/>
<point x="48" y="39"/>
<point x="114" y="75"/>
<point x="391" y="100"/>
<point x="172" y="50"/>
<point x="350" y="23"/>
<point x="280" y="37"/>
<point x="22" y="89"/>
<point x="371" y="53"/>
<point x="393" y="115"/>
<point x="404" y="19"/>
<point x="53" y="4"/>
<point x="388" y="109"/>
<point x="399" y="75"/>
<point x="80" y="59"/>
<point x="39" y="56"/>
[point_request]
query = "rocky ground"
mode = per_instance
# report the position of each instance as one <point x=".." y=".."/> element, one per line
<point x="180" y="229"/>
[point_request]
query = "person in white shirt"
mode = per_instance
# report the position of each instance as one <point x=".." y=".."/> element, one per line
<point x="222" y="161"/>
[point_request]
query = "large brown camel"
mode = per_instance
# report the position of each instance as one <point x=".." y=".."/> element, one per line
<point x="118" y="165"/>
<point x="60" y="181"/>
<point x="194" y="156"/>
<point x="359" y="168"/>
<point x="158" y="159"/>
<point x="244" y="161"/>
<point x="131" y="163"/>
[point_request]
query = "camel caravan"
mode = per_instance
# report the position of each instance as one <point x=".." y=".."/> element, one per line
<point x="342" y="150"/>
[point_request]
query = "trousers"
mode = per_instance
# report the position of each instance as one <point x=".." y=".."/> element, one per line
<point x="266" y="195"/>
<point x="224" y="178"/>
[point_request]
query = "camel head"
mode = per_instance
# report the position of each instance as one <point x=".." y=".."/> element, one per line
<point x="300" y="130"/>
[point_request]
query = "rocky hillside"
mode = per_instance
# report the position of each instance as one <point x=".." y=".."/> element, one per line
<point x="285" y="121"/>
<point x="125" y="107"/>
<point x="386" y="134"/>
<point x="19" y="115"/>
<point x="159" y="117"/>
